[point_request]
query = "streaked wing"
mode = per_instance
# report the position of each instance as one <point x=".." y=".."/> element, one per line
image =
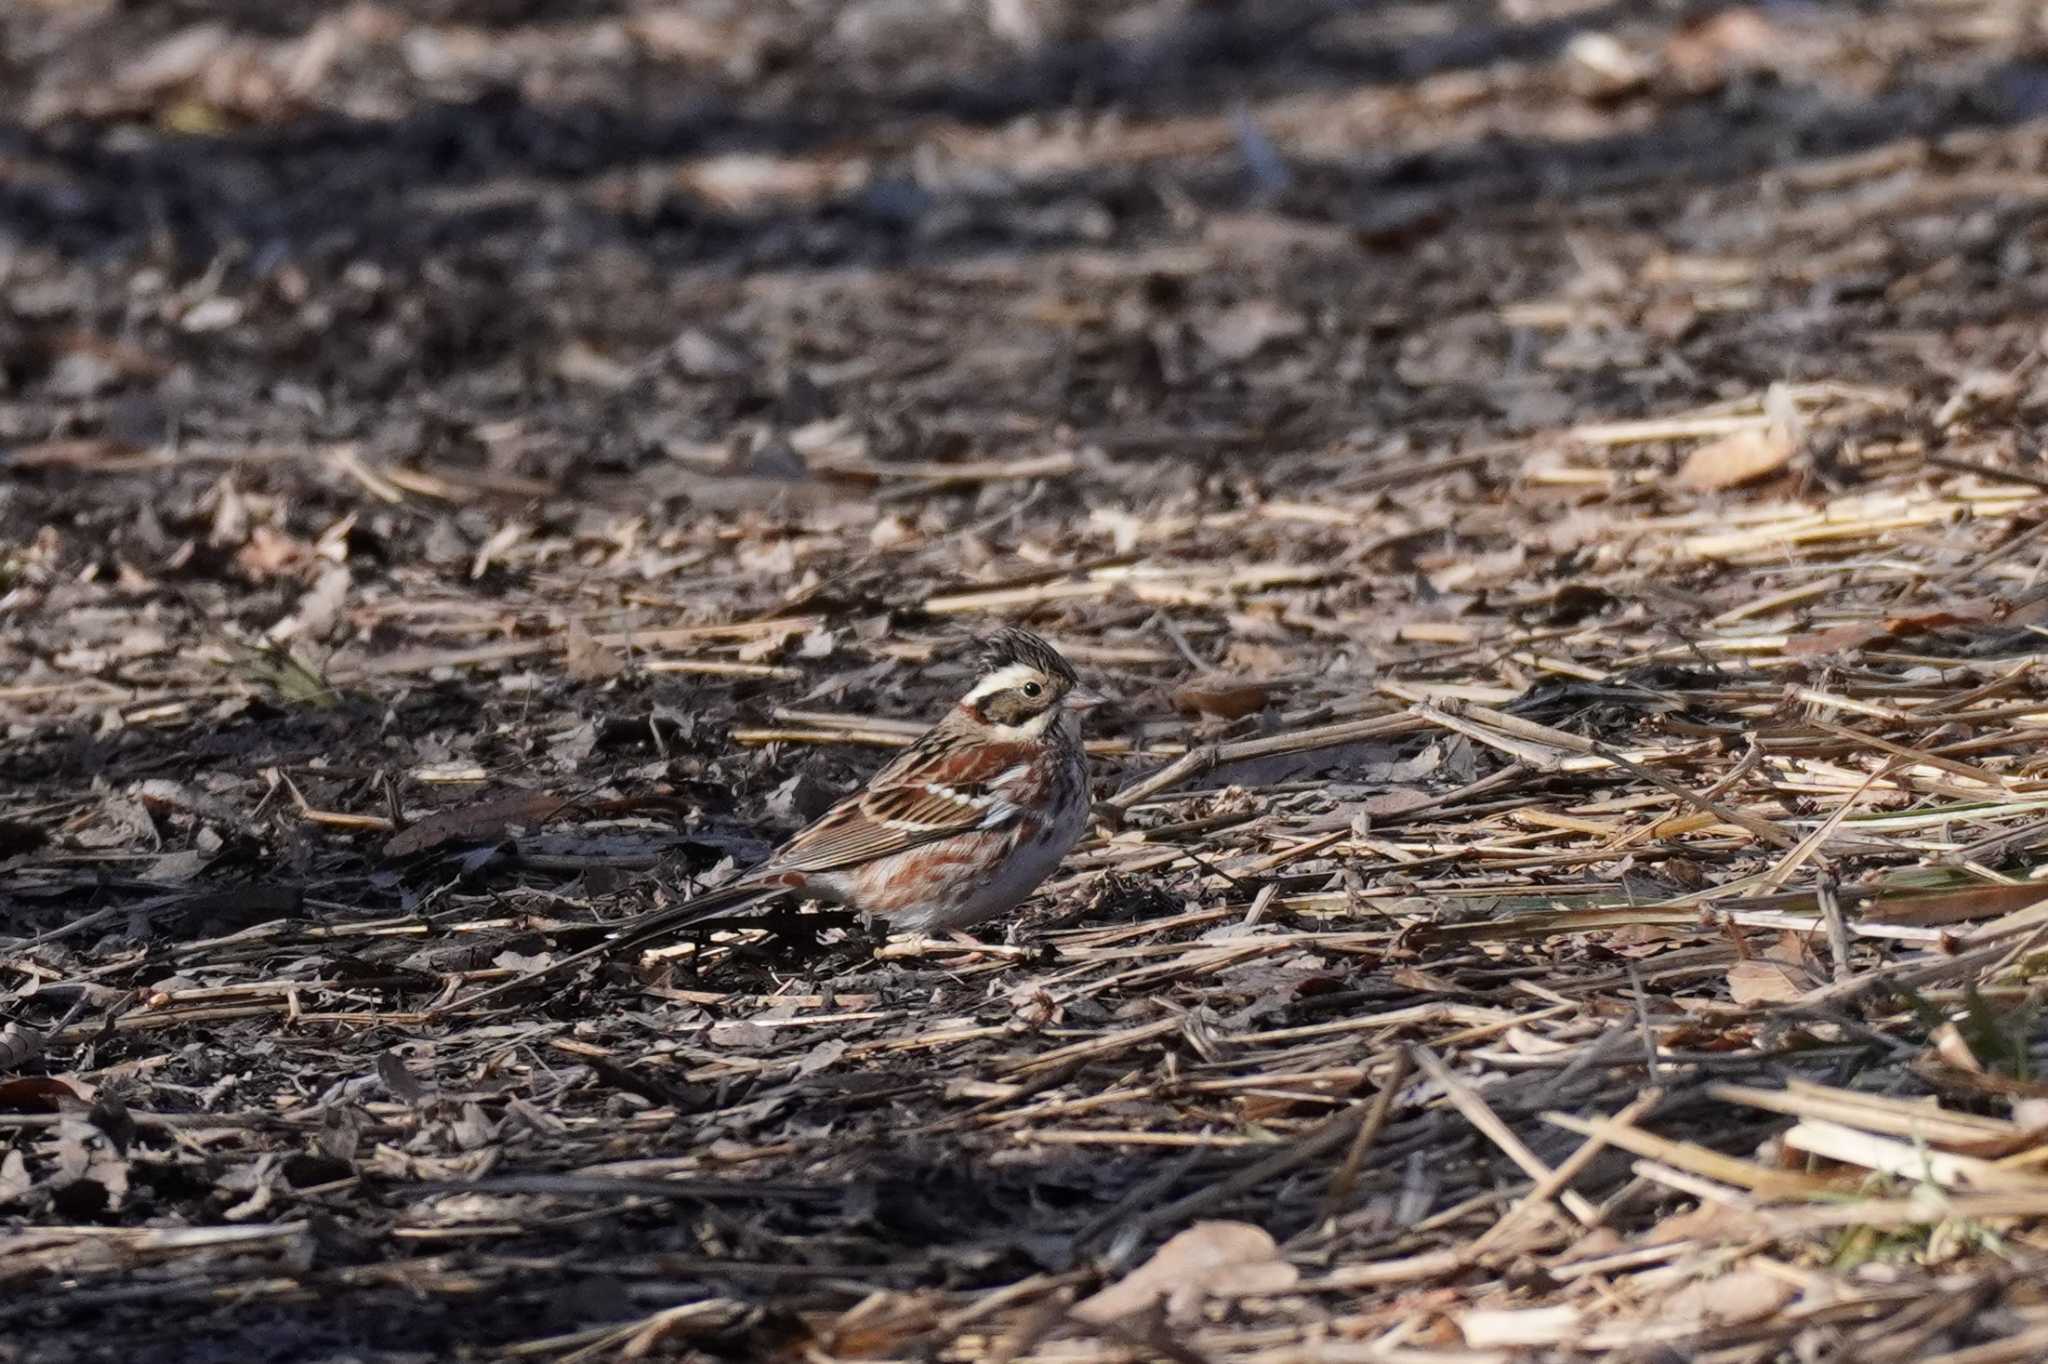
<point x="887" y="820"/>
<point x="944" y="784"/>
<point x="949" y="807"/>
<point x="948" y="756"/>
<point x="879" y="824"/>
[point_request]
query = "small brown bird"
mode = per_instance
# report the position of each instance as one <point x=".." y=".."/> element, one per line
<point x="960" y="827"/>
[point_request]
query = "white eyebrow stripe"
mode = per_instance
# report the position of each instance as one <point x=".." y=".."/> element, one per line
<point x="1004" y="679"/>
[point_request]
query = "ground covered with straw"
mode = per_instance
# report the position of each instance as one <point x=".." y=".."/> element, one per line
<point x="1552" y="489"/>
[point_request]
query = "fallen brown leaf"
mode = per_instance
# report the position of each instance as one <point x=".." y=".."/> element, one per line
<point x="1764" y="982"/>
<point x="1737" y="459"/>
<point x="1221" y="697"/>
<point x="37" y="1094"/>
<point x="470" y="823"/>
<point x="1853" y="636"/>
<point x="586" y="659"/>
<point x="1745" y="1295"/>
<point x="1207" y="1259"/>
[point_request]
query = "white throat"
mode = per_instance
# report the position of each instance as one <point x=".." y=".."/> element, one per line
<point x="1032" y="729"/>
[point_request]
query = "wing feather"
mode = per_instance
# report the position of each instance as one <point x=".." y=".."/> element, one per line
<point x="941" y="786"/>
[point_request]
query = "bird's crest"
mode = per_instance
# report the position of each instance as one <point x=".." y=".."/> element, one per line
<point x="1012" y="645"/>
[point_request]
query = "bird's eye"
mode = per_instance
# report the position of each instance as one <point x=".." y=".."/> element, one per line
<point x="1031" y="689"/>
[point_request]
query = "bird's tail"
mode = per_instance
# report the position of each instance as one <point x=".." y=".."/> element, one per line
<point x="642" y="928"/>
<point x="674" y="918"/>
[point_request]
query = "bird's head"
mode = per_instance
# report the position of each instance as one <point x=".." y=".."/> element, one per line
<point x="1025" y="686"/>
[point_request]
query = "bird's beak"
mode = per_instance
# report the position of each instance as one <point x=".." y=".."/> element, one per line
<point x="1080" y="700"/>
